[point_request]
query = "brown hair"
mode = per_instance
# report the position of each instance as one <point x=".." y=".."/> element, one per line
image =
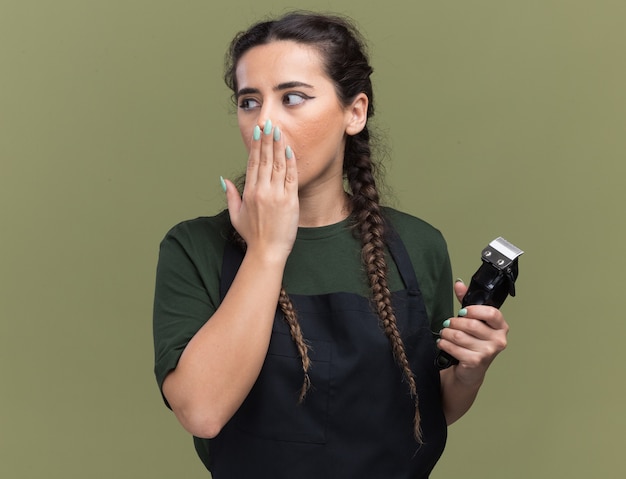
<point x="347" y="65"/>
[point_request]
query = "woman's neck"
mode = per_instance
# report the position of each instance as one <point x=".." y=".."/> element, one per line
<point x="322" y="208"/>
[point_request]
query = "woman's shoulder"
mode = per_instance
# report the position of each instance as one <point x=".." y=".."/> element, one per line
<point x="202" y="228"/>
<point x="409" y="226"/>
<point x="199" y="237"/>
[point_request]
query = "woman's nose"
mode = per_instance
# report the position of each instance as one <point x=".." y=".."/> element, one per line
<point x="268" y="112"/>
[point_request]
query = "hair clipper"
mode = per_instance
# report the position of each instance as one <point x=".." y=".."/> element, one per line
<point x="491" y="284"/>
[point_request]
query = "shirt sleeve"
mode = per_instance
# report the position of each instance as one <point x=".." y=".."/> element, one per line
<point x="184" y="296"/>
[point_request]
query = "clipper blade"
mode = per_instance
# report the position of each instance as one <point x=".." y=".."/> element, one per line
<point x="501" y="253"/>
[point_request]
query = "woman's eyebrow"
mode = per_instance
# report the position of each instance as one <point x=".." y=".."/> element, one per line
<point x="292" y="84"/>
<point x="247" y="91"/>
<point x="279" y="87"/>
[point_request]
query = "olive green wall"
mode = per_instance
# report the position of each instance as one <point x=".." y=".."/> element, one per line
<point x="501" y="118"/>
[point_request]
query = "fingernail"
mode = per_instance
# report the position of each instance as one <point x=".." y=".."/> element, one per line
<point x="446" y="323"/>
<point x="462" y="312"/>
<point x="256" y="134"/>
<point x="438" y="340"/>
<point x="267" y="129"/>
<point x="288" y="153"/>
<point x="276" y="133"/>
<point x="223" y="183"/>
<point x="458" y="280"/>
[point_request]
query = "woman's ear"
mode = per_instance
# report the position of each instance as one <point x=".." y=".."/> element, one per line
<point x="357" y="114"/>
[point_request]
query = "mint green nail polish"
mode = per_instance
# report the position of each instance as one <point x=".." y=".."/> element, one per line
<point x="267" y="129"/>
<point x="223" y="183"/>
<point x="256" y="134"/>
<point x="459" y="280"/>
<point x="276" y="133"/>
<point x="462" y="312"/>
<point x="288" y="153"/>
<point x="446" y="323"/>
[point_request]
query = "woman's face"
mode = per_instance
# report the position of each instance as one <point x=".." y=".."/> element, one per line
<point x="285" y="82"/>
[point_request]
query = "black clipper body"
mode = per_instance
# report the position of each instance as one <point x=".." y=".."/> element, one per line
<point x="491" y="284"/>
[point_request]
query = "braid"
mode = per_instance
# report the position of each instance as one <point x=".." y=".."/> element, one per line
<point x="370" y="227"/>
<point x="291" y="318"/>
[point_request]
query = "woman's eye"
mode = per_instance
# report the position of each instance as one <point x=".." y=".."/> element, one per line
<point x="248" y="104"/>
<point x="293" y="99"/>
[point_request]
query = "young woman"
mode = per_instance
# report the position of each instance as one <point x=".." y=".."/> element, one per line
<point x="293" y="331"/>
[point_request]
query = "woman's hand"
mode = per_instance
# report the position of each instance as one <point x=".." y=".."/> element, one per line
<point x="266" y="216"/>
<point x="475" y="338"/>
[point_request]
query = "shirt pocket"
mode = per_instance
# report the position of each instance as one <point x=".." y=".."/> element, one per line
<point x="272" y="409"/>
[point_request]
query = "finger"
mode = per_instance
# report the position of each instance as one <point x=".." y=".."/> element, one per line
<point x="279" y="166"/>
<point x="291" y="172"/>
<point x="464" y="330"/>
<point x="461" y="353"/>
<point x="266" y="159"/>
<point x="254" y="156"/>
<point x="233" y="199"/>
<point x="475" y="337"/>
<point x="488" y="315"/>
<point x="460" y="289"/>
